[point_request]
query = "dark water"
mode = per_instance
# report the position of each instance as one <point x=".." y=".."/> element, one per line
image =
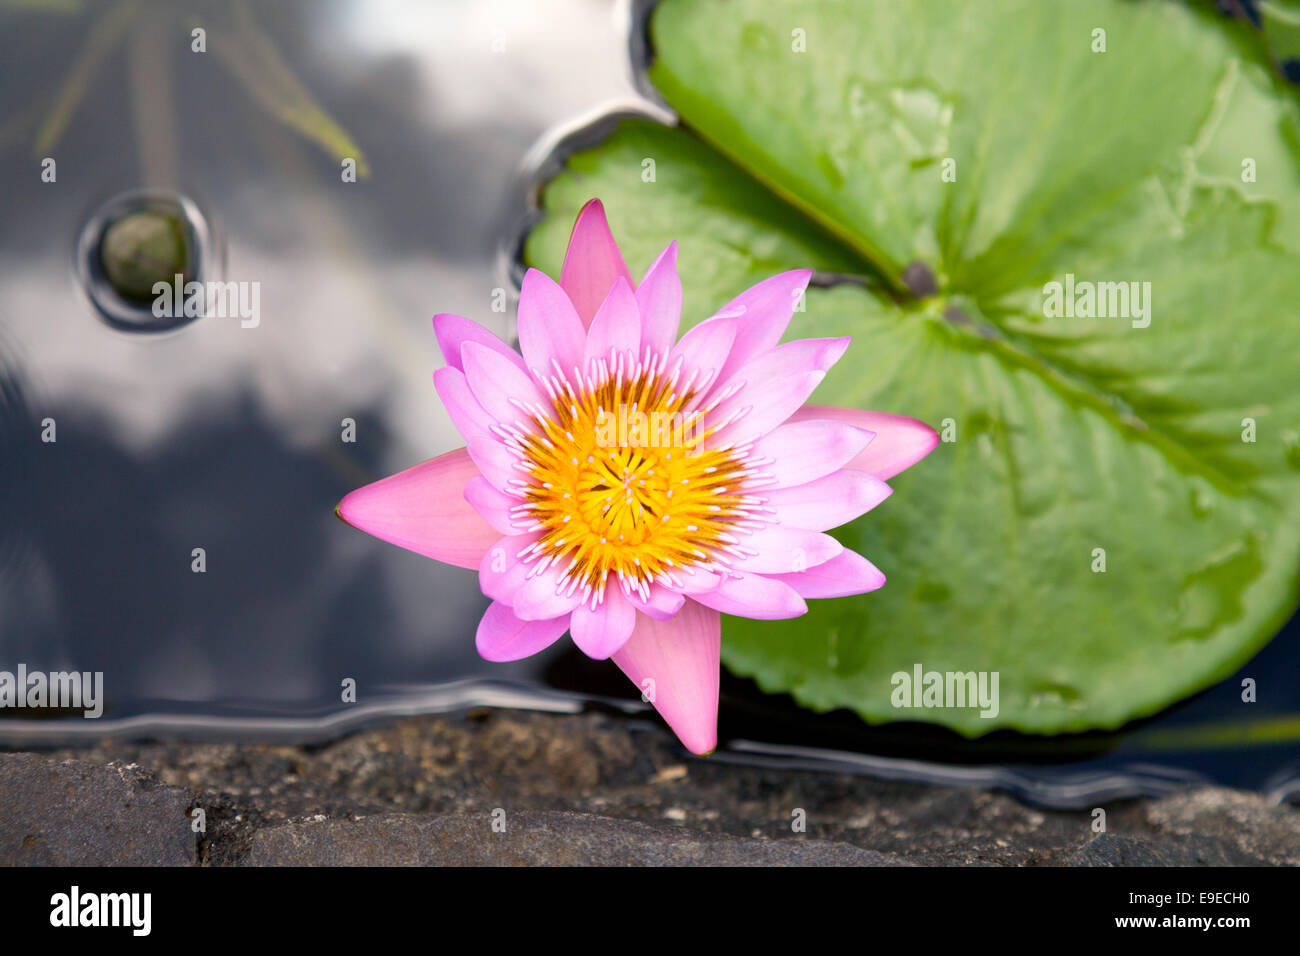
<point x="228" y="439"/>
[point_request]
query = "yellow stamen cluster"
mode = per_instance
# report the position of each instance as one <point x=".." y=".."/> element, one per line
<point x="618" y="480"/>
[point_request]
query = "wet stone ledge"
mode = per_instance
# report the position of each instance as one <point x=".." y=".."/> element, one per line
<point x="511" y="788"/>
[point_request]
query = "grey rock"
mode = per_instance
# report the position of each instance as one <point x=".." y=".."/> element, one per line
<point x="1245" y="821"/>
<point x="1115" y="850"/>
<point x="533" y="839"/>
<point x="73" y="813"/>
<point x="575" y="788"/>
<point x="1110" y="850"/>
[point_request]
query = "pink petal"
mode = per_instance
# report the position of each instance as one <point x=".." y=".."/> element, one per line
<point x="696" y="580"/>
<point x="663" y="603"/>
<point x="453" y="331"/>
<point x="676" y="664"/>
<point x="473" y="423"/>
<point x="504" y="637"/>
<point x="800" y="452"/>
<point x="592" y="262"/>
<point x="549" y="328"/>
<point x="659" y="297"/>
<point x="792" y="358"/>
<point x="499" y="385"/>
<point x="754" y="596"/>
<point x="423" y="509"/>
<point x="755" y="411"/>
<point x="601" y="632"/>
<point x="501" y="574"/>
<point x="495" y="462"/>
<point x="617" y="325"/>
<point x="900" y="441"/>
<point x="762" y="313"/>
<point x="782" y="549"/>
<point x="540" y="597"/>
<point x="492" y="505"/>
<point x="827" y="502"/>
<point x="845" y="574"/>
<point x="774" y="386"/>
<point x="703" y="351"/>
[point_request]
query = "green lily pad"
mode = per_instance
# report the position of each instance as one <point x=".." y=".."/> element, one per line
<point x="1280" y="20"/>
<point x="998" y="145"/>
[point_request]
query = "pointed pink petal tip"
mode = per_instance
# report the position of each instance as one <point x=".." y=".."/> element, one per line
<point x="423" y="509"/>
<point x="453" y="331"/>
<point x="676" y="665"/>
<point x="899" y="441"/>
<point x="592" y="262"/>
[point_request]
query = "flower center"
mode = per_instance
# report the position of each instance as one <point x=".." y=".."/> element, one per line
<point x="620" y="481"/>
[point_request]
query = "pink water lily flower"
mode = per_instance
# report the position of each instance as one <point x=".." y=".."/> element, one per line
<point x="630" y="487"/>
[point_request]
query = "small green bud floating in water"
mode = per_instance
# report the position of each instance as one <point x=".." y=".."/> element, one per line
<point x="144" y="248"/>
